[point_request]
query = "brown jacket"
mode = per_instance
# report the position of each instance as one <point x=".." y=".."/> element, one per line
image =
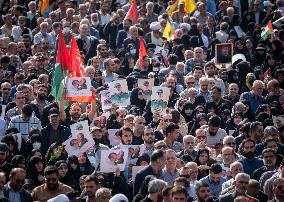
<point x="42" y="193"/>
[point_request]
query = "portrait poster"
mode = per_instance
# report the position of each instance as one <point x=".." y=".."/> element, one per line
<point x="223" y="53"/>
<point x="119" y="93"/>
<point x="159" y="99"/>
<point x="78" y="86"/>
<point x="135" y="170"/>
<point x="106" y="100"/>
<point x="146" y="85"/>
<point x="80" y="144"/>
<point x="239" y="31"/>
<point x="101" y="120"/>
<point x="113" y="159"/>
<point x="114" y="139"/>
<point x="134" y="151"/>
<point x="81" y="140"/>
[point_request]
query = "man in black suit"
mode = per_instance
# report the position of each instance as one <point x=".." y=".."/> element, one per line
<point x="256" y="14"/>
<point x="158" y="162"/>
<point x="122" y="34"/>
<point x="86" y="44"/>
<point x="13" y="190"/>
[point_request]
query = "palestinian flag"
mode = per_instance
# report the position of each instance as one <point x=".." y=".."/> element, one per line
<point x="268" y="30"/>
<point x="77" y="70"/>
<point x="61" y="68"/>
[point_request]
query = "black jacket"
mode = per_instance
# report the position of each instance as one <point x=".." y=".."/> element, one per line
<point x="64" y="134"/>
<point x="25" y="196"/>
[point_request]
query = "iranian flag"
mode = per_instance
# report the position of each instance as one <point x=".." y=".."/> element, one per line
<point x="268" y="30"/>
<point x="77" y="70"/>
<point x="61" y="68"/>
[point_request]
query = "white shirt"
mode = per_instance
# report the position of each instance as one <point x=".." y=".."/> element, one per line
<point x="17" y="33"/>
<point x="104" y="18"/>
<point x="216" y="139"/>
<point x="205" y="40"/>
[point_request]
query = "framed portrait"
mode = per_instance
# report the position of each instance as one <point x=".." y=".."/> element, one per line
<point x="106" y="99"/>
<point x="134" y="151"/>
<point x="146" y="85"/>
<point x="114" y="139"/>
<point x="223" y="53"/>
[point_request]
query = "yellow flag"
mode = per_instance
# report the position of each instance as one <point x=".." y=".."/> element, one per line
<point x="168" y="31"/>
<point x="189" y="6"/>
<point x="172" y="8"/>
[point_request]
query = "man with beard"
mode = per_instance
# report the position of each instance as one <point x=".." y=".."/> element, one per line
<point x="13" y="190"/>
<point x="278" y="190"/>
<point x="138" y="130"/>
<point x="233" y="93"/>
<point x="202" y="192"/>
<point x="155" y="191"/>
<point x="75" y="111"/>
<point x="40" y="100"/>
<point x="218" y="100"/>
<point x="241" y="182"/>
<point x="54" y="131"/>
<point x="210" y="70"/>
<point x="214" y="133"/>
<point x="52" y="187"/>
<point x="5" y="93"/>
<point x="174" y="96"/>
<point x="123" y="34"/>
<point x="91" y="187"/>
<point x="148" y="138"/>
<point x="249" y="161"/>
<point x="269" y="159"/>
<point x="223" y="74"/>
<point x="188" y="153"/>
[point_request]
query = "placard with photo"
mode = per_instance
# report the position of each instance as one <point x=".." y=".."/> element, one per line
<point x="113" y="159"/>
<point x="146" y="85"/>
<point x="78" y="86"/>
<point x="119" y="93"/>
<point x="223" y="53"/>
<point x="159" y="99"/>
<point x="134" y="151"/>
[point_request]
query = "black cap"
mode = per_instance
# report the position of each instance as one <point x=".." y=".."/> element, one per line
<point x="3" y="147"/>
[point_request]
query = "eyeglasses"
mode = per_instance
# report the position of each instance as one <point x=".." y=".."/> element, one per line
<point x="6" y="88"/>
<point x="188" y="142"/>
<point x="201" y="137"/>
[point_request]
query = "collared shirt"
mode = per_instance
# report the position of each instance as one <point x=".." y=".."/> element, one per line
<point x="189" y="64"/>
<point x="39" y="36"/>
<point x="254" y="101"/>
<point x="11" y="113"/>
<point x="24" y="126"/>
<point x="17" y="33"/>
<point x="14" y="196"/>
<point x="176" y="146"/>
<point x="215" y="187"/>
<point x="109" y="78"/>
<point x="207" y="95"/>
<point x="42" y="193"/>
<point x="169" y="177"/>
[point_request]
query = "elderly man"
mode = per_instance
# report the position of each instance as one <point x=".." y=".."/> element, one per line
<point x="43" y="34"/>
<point x="197" y="60"/>
<point x="155" y="188"/>
<point x="155" y="35"/>
<point x="254" y="97"/>
<point x="241" y="183"/>
<point x="188" y="153"/>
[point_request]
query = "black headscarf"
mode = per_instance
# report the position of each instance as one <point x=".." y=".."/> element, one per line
<point x="32" y="172"/>
<point x="137" y="102"/>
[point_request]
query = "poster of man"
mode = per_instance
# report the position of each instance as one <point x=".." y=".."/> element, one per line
<point x="159" y="99"/>
<point x="106" y="99"/>
<point x="119" y="92"/>
<point x="134" y="151"/>
<point x="146" y="85"/>
<point x="80" y="127"/>
<point x="78" y="86"/>
<point x="223" y="53"/>
<point x="112" y="159"/>
<point x="114" y="139"/>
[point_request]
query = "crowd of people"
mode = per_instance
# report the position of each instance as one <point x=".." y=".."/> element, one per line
<point x="221" y="137"/>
